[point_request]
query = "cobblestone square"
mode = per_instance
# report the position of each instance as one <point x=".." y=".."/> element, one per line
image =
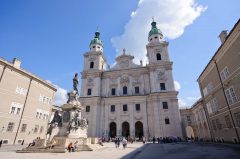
<point x="138" y="151"/>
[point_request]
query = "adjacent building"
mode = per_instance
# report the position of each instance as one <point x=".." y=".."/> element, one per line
<point x="130" y="99"/>
<point x="220" y="88"/>
<point x="25" y="104"/>
<point x="194" y="122"/>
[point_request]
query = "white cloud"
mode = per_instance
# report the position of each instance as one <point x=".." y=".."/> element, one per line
<point x="60" y="96"/>
<point x="177" y="85"/>
<point x="182" y="103"/>
<point x="187" y="102"/>
<point x="172" y="17"/>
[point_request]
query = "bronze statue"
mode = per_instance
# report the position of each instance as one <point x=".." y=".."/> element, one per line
<point x="75" y="83"/>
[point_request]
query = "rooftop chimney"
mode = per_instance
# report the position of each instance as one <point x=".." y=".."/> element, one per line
<point x="223" y="36"/>
<point x="16" y="63"/>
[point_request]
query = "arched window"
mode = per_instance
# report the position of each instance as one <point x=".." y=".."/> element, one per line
<point x="167" y="121"/>
<point x="125" y="90"/>
<point x="91" y="64"/>
<point x="159" y="56"/>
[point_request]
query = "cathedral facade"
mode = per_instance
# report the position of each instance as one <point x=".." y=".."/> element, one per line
<point x="128" y="99"/>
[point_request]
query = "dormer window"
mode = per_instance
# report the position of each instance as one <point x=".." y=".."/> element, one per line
<point x="151" y="39"/>
<point x="159" y="56"/>
<point x="98" y="47"/>
<point x="155" y="37"/>
<point x="91" y="64"/>
<point x="93" y="46"/>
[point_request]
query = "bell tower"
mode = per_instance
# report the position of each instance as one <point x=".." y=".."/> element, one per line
<point x="159" y="63"/>
<point x="94" y="65"/>
<point x="94" y="59"/>
<point x="157" y="47"/>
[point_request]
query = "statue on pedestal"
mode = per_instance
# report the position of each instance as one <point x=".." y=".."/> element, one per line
<point x="70" y="125"/>
<point x="75" y="83"/>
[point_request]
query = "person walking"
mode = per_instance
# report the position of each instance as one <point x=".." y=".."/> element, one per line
<point x="124" y="142"/>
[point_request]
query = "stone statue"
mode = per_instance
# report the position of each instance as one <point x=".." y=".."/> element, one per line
<point x="77" y="118"/>
<point x="83" y="123"/>
<point x="57" y="119"/>
<point x="75" y="83"/>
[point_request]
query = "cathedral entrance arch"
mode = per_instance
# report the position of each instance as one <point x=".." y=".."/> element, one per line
<point x="125" y="129"/>
<point x="112" y="129"/>
<point x="138" y="130"/>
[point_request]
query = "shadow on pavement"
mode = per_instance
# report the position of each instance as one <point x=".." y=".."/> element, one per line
<point x="135" y="153"/>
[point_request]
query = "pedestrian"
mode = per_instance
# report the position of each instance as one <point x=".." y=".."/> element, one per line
<point x="124" y="142"/>
<point x="144" y="140"/>
<point x="116" y="142"/>
<point x="154" y="139"/>
<point x="1" y="143"/>
<point x="75" y="149"/>
<point x="70" y="147"/>
<point x="158" y="139"/>
<point x="32" y="143"/>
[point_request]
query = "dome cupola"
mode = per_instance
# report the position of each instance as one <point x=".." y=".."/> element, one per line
<point x="154" y="34"/>
<point x="96" y="43"/>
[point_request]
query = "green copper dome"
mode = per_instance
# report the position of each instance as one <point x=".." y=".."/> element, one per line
<point x="154" y="29"/>
<point x="96" y="39"/>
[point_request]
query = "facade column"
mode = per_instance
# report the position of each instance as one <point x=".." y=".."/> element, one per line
<point x="106" y="130"/>
<point x="145" y="123"/>
<point x="118" y="108"/>
<point x="132" y="126"/>
<point x="156" y="118"/>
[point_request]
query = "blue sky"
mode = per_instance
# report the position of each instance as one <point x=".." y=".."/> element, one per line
<point x="50" y="36"/>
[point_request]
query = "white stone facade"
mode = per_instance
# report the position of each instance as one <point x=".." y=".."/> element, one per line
<point x="128" y="99"/>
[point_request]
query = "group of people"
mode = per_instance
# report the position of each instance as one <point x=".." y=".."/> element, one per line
<point x="117" y="142"/>
<point x="164" y="139"/>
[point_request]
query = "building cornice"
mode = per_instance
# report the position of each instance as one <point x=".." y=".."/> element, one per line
<point x="26" y="73"/>
<point x="228" y="38"/>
